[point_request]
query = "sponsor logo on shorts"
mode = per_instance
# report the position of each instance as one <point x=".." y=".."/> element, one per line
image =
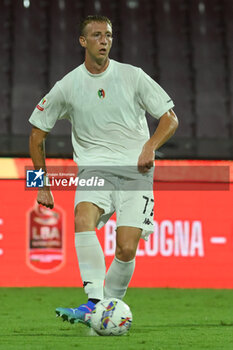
<point x="147" y="222"/>
<point x="101" y="93"/>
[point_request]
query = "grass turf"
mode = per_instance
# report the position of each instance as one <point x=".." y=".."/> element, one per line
<point x="163" y="319"/>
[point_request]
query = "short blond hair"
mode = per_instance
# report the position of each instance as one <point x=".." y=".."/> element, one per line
<point x="92" y="18"/>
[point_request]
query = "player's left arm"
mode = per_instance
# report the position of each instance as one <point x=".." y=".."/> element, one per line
<point x="168" y="123"/>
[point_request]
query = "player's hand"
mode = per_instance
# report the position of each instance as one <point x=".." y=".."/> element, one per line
<point x="45" y="198"/>
<point x="146" y="158"/>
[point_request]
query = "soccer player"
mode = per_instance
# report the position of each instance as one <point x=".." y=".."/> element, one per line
<point x="105" y="102"/>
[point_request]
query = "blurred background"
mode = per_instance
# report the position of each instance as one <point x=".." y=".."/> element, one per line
<point x="185" y="45"/>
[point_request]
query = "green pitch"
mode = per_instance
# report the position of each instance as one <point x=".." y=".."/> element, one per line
<point x="163" y="319"/>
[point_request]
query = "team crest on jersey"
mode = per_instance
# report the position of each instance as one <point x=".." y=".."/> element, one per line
<point x="40" y="105"/>
<point x="101" y="93"/>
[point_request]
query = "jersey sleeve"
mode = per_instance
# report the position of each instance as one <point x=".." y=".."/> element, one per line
<point x="50" y="109"/>
<point x="152" y="97"/>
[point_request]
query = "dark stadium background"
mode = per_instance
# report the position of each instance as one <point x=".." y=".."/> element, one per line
<point x="185" y="45"/>
<point x="181" y="294"/>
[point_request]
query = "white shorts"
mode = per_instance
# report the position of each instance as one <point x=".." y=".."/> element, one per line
<point x="133" y="207"/>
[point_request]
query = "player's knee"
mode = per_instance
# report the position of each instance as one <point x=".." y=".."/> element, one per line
<point x="86" y="216"/>
<point x="125" y="253"/>
<point x="83" y="223"/>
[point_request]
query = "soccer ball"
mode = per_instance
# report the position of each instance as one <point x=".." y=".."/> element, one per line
<point x="111" y="317"/>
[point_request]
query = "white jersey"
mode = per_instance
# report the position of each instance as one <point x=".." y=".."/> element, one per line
<point x="106" y="110"/>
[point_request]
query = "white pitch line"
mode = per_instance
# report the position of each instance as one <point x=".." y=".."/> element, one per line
<point x="1" y="251"/>
<point x="1" y="221"/>
<point x="1" y="236"/>
<point x="218" y="240"/>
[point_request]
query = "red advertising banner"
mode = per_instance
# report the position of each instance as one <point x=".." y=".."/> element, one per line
<point x="45" y="239"/>
<point x="191" y="247"/>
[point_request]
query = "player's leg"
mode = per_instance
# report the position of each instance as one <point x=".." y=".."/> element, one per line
<point x="122" y="268"/>
<point x="127" y="239"/>
<point x="91" y="262"/>
<point x="89" y="252"/>
<point x="134" y="209"/>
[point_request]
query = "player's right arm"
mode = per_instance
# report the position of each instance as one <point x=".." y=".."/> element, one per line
<point x="37" y="153"/>
<point x="50" y="109"/>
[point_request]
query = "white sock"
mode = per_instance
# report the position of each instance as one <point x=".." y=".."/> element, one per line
<point x="91" y="263"/>
<point x="118" y="278"/>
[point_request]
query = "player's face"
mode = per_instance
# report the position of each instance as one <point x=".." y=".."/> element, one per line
<point x="97" y="40"/>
